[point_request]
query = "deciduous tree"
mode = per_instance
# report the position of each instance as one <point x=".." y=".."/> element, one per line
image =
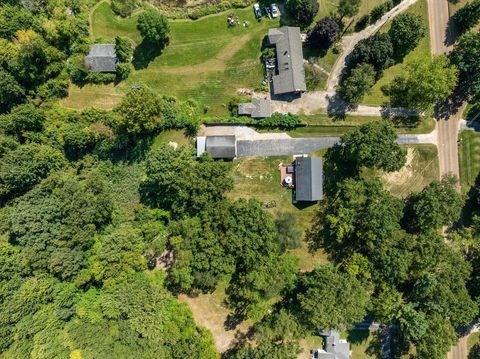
<point x="154" y="27"/>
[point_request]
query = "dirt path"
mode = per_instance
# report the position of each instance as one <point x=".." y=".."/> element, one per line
<point x="349" y="42"/>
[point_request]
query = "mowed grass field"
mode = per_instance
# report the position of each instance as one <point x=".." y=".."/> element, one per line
<point x="469" y="156"/>
<point x="205" y="59"/>
<point x="422" y="51"/>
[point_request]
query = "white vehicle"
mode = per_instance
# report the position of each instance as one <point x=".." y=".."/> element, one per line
<point x="257" y="11"/>
<point x="274" y="10"/>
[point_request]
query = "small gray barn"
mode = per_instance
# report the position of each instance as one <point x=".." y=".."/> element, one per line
<point x="101" y="58"/>
<point x="258" y="108"/>
<point x="291" y="73"/>
<point x="308" y="179"/>
<point x="221" y="147"/>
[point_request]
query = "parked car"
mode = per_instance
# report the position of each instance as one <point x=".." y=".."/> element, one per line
<point x="257" y="11"/>
<point x="274" y="10"/>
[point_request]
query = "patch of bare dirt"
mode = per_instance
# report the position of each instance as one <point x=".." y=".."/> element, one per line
<point x="406" y="172"/>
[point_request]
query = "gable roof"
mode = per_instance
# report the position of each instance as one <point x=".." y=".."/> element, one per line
<point x="259" y="108"/>
<point x="101" y="58"/>
<point x="308" y="179"/>
<point x="221" y="146"/>
<point x="334" y="346"/>
<point x="291" y="74"/>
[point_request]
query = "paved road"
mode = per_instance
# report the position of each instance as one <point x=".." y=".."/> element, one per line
<point x="284" y="146"/>
<point x="447" y="128"/>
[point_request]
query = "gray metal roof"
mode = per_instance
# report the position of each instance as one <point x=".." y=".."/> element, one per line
<point x="308" y="179"/>
<point x="101" y="58"/>
<point x="258" y="108"/>
<point x="334" y="346"/>
<point x="221" y="146"/>
<point x="291" y="74"/>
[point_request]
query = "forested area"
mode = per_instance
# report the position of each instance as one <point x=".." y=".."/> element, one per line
<point x="100" y="229"/>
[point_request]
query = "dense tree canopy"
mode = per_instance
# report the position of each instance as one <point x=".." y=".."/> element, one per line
<point x="467" y="16"/>
<point x="406" y="32"/>
<point x="324" y="34"/>
<point x="349" y="7"/>
<point x="302" y="11"/>
<point x="376" y="50"/>
<point x="358" y="83"/>
<point x="466" y="56"/>
<point x="374" y="145"/>
<point x="425" y="83"/>
<point x="154" y="27"/>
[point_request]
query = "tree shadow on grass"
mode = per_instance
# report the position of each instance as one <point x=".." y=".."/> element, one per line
<point x="145" y="53"/>
<point x="358" y="336"/>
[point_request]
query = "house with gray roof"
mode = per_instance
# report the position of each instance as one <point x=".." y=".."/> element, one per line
<point x="333" y="347"/>
<point x="220" y="147"/>
<point x="101" y="58"/>
<point x="258" y="108"/>
<point x="290" y="76"/>
<point x="308" y="179"/>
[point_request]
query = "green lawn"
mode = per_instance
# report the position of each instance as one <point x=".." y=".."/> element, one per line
<point x="376" y="97"/>
<point x="469" y="156"/>
<point x="473" y="339"/>
<point x="205" y="59"/>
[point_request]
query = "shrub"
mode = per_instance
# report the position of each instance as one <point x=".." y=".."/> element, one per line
<point x="123" y="71"/>
<point x="279" y="120"/>
<point x="123" y="48"/>
<point x="268" y="53"/>
<point x="314" y="77"/>
<point x="362" y="23"/>
<point x="123" y="8"/>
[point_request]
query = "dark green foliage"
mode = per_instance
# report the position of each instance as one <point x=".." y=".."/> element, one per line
<point x="373" y="145"/>
<point x="406" y="32"/>
<point x="358" y="83"/>
<point x="349" y="7"/>
<point x="11" y="93"/>
<point x="324" y="34"/>
<point x="22" y="120"/>
<point x="467" y="16"/>
<point x="362" y="23"/>
<point x="439" y="204"/>
<point x="154" y="27"/>
<point x="466" y="57"/>
<point x="343" y="299"/>
<point x="377" y="50"/>
<point x="302" y="11"/>
<point x="474" y="352"/>
<point x="380" y="10"/>
<point x="25" y="166"/>
<point x="123" y="48"/>
<point x="7" y="144"/>
<point x="278" y="120"/>
<point x="178" y="182"/>
<point x="123" y="8"/>
<point x="54" y="223"/>
<point x="289" y="236"/>
<point x="123" y="71"/>
<point x="13" y="18"/>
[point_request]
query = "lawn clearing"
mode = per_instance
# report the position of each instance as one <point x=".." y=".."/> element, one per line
<point x="421" y="169"/>
<point x="205" y="60"/>
<point x="104" y="97"/>
<point x="422" y="51"/>
<point x="469" y="155"/>
<point x="210" y="312"/>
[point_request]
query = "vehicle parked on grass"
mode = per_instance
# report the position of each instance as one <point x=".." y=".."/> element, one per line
<point x="274" y="10"/>
<point x="257" y="11"/>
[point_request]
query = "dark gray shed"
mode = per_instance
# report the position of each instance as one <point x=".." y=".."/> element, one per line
<point x="291" y="73"/>
<point x="308" y="179"/>
<point x="101" y="58"/>
<point x="258" y="108"/>
<point x="221" y="146"/>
